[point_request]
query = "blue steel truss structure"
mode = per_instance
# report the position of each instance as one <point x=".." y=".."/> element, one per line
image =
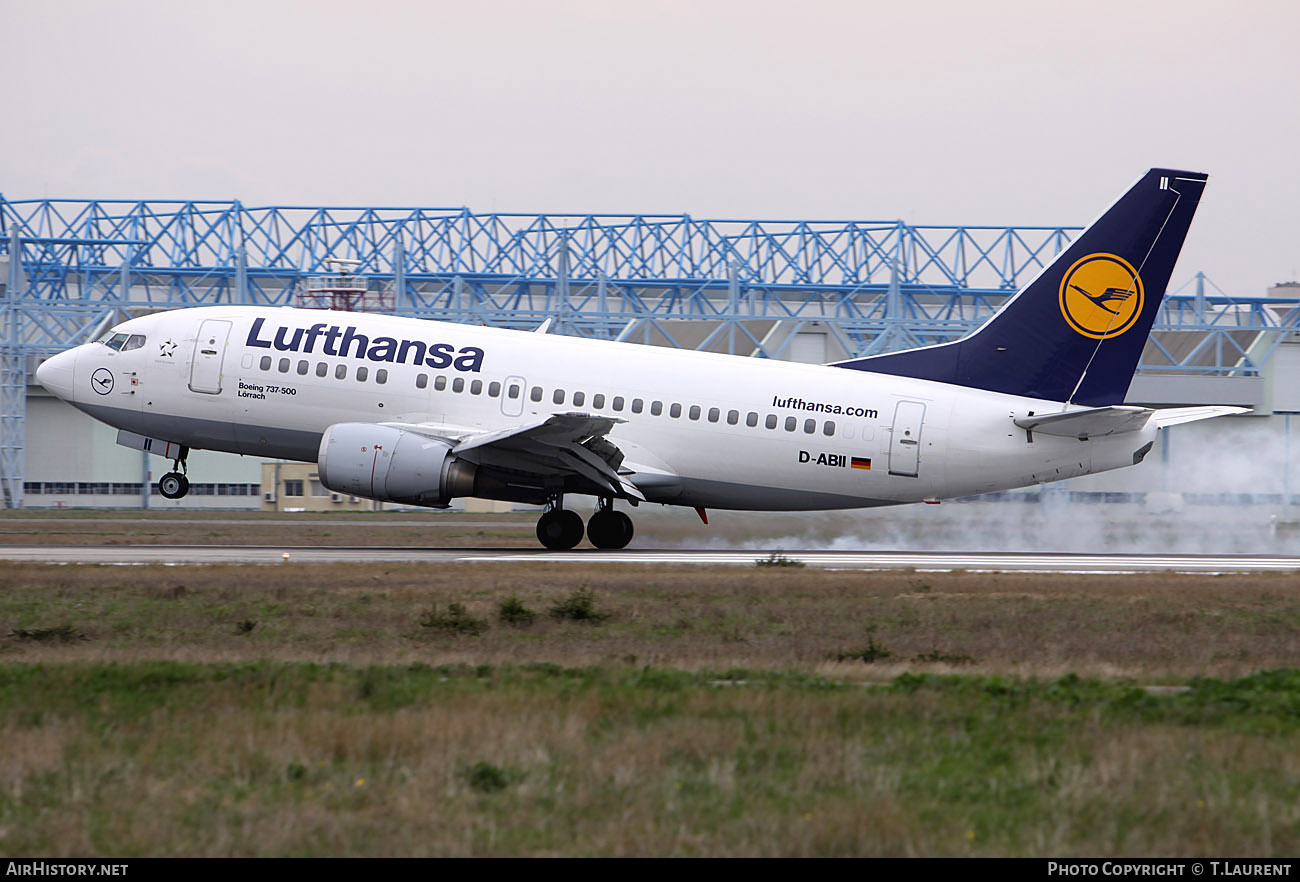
<point x="743" y="286"/>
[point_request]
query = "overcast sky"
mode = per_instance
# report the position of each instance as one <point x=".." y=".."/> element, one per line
<point x="997" y="112"/>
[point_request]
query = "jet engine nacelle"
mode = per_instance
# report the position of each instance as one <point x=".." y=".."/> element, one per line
<point x="392" y="465"/>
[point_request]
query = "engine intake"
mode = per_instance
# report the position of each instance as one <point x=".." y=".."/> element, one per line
<point x="392" y="465"/>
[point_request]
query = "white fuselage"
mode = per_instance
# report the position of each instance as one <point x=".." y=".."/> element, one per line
<point x="699" y="429"/>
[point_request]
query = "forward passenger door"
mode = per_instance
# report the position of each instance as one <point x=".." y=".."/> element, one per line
<point x="209" y="351"/>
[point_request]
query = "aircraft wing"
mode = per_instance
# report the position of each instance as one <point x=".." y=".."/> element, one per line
<point x="556" y="446"/>
<point x="1116" y="419"/>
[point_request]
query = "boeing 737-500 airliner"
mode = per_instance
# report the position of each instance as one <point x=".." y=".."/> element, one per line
<point x="421" y="412"/>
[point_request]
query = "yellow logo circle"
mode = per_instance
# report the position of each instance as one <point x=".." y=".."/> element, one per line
<point x="1101" y="296"/>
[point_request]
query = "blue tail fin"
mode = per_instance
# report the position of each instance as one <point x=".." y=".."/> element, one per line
<point x="1076" y="332"/>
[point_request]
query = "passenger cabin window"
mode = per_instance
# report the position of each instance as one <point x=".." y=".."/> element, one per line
<point x="558" y="396"/>
<point x="514" y="391"/>
<point x="578" y="398"/>
<point x="656" y="408"/>
<point x="695" y="412"/>
<point x="751" y="419"/>
<point x="303" y="367"/>
<point x="617" y="403"/>
<point x="440" y="383"/>
<point x="714" y="413"/>
<point x="476" y="387"/>
<point x="494" y="389"/>
<point x="770" y="422"/>
<point x="675" y="411"/>
<point x="458" y="384"/>
<point x="381" y="376"/>
<point x="733" y="417"/>
<point x="341" y="372"/>
<point x="809" y="426"/>
<point x="322" y="369"/>
<point x="637" y="405"/>
<point x="598" y="401"/>
<point x="791" y="423"/>
<point x="828" y="428"/>
<point x="536" y="393"/>
<point x="422" y="381"/>
<point x="362" y="373"/>
<point x="265" y="363"/>
<point x="284" y="365"/>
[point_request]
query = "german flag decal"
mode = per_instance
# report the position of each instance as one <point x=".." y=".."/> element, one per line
<point x="859" y="462"/>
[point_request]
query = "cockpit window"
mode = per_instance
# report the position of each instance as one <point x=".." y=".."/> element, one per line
<point x="119" y="342"/>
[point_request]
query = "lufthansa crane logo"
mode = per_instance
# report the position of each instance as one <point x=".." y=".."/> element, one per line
<point x="102" y="381"/>
<point x="1101" y="296"/>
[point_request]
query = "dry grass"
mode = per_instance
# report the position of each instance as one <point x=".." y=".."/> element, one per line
<point x="369" y="529"/>
<point x="1151" y="627"/>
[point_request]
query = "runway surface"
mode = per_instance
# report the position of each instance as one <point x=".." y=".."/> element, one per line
<point x="848" y="560"/>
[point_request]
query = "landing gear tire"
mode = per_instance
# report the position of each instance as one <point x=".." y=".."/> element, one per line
<point x="173" y="485"/>
<point x="559" y="530"/>
<point x="608" y="528"/>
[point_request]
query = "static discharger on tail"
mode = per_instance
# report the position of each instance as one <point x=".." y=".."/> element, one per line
<point x="420" y="413"/>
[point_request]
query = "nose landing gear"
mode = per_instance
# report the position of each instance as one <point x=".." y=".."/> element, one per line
<point x="174" y="484"/>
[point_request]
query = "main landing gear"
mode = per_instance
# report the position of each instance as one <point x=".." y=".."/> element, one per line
<point x="560" y="529"/>
<point x="174" y="484"/>
<point x="609" y="528"/>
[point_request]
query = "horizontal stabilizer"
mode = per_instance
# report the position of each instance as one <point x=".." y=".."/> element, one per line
<point x="1114" y="420"/>
<point x="1092" y="422"/>
<point x="1173" y="416"/>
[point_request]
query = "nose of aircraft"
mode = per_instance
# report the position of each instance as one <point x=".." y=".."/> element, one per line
<point x="58" y="374"/>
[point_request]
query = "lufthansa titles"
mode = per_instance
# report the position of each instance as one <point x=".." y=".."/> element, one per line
<point x="347" y="343"/>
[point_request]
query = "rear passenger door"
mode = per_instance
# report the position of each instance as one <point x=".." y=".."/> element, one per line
<point x="905" y="443"/>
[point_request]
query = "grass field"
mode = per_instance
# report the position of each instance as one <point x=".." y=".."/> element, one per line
<point x="271" y="758"/>
<point x="512" y="709"/>
<point x="1160" y="628"/>
<point x="134" y="527"/>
